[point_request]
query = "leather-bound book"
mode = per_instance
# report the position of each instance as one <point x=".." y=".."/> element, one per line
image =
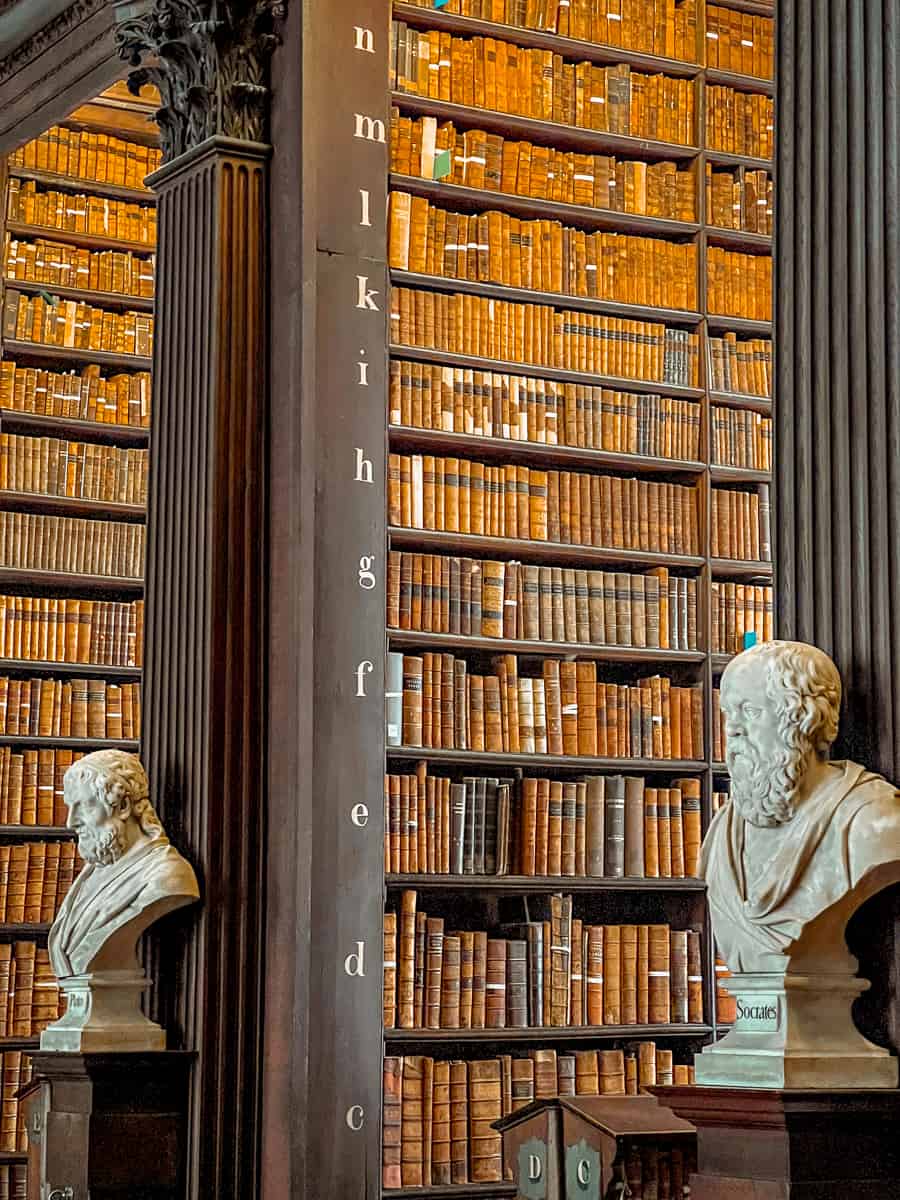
<point x="554" y="829"/>
<point x="542" y="825"/>
<point x="580" y="829"/>
<point x="450" y="983"/>
<point x="466" y="973"/>
<point x="420" y="967"/>
<point x="459" y="1122"/>
<point x="440" y="1125"/>
<point x="565" y="1074"/>
<point x="679" y="978"/>
<point x="413" y="668"/>
<point x="391" y="1123"/>
<point x="526" y="716"/>
<point x="545" y="1077"/>
<point x="485" y="1107"/>
<point x="663" y="828"/>
<point x="595" y="827"/>
<point x="412" y="1122"/>
<point x="528" y="828"/>
<point x="634" y="827"/>
<point x="614" y="827"/>
<point x="646" y="1065"/>
<point x="694" y="977"/>
<point x="539" y="701"/>
<point x="479" y="978"/>
<point x="664" y="1068"/>
<point x="611" y="1072"/>
<point x="522" y="1071"/>
<point x="569" y="707"/>
<point x="516" y="984"/>
<point x="659" y="975"/>
<point x="629" y="955"/>
<point x="586" y="683"/>
<point x="576" y="978"/>
<point x="492" y="583"/>
<point x="676" y="832"/>
<point x="390" y="970"/>
<point x="495" y="999"/>
<point x="553" y="702"/>
<point x="567" y="845"/>
<point x="612" y="975"/>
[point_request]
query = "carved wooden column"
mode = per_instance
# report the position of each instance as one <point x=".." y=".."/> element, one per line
<point x="204" y="729"/>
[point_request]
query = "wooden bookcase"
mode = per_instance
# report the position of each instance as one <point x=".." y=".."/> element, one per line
<point x="468" y="899"/>
<point x="113" y="114"/>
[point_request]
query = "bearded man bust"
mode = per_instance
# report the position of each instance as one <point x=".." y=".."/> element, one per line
<point x="132" y="876"/>
<point x="800" y="845"/>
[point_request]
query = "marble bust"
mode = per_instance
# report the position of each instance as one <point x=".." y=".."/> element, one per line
<point x="132" y="876"/>
<point x="800" y="845"/>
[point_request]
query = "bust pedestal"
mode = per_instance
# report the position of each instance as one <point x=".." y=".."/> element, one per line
<point x="108" y="1126"/>
<point x="103" y="1013"/>
<point x="779" y="1144"/>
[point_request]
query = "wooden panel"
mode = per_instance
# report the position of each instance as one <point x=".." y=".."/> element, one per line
<point x="203" y="723"/>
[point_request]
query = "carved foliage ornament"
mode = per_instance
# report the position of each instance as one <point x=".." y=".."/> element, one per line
<point x="209" y="59"/>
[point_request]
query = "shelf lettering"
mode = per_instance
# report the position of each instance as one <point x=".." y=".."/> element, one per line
<point x="370" y="129"/>
<point x="355" y="1117"/>
<point x="359" y="815"/>
<point x="364" y="202"/>
<point x="363" y="669"/>
<point x="364" y="39"/>
<point x="366" y="574"/>
<point x="364" y="472"/>
<point x="364" y="294"/>
<point x="354" y="963"/>
<point x="363" y="380"/>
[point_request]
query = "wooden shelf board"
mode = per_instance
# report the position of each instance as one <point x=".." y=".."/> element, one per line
<point x="518" y="548"/>
<point x="35" y="832"/>
<point x="571" y="48"/>
<point x="719" y="768"/>
<point x="716" y="323"/>
<point x="454" y="641"/>
<point x="532" y="370"/>
<point x="720" y="660"/>
<point x="739" y="239"/>
<point x="500" y="291"/>
<point x="108" y="300"/>
<point x="408" y="437"/>
<point x="12" y="421"/>
<point x="547" y="133"/>
<point x="25" y="666"/>
<point x="17" y="1156"/>
<point x="20" y="930"/>
<point x="480" y="200"/>
<point x="70" y="506"/>
<point x="74" y="237"/>
<point x="452" y="1191"/>
<point x="724" y="158"/>
<point x="69" y="582"/>
<point x="69" y="183"/>
<point x="582" y="1033"/>
<point x="40" y="352"/>
<point x="735" y="568"/>
<point x="759" y="8"/>
<point x="19" y="1043"/>
<point x="761" y="404"/>
<point x="525" y="884"/>
<point x="739" y="81"/>
<point x="719" y="474"/>
<point x="573" y="762"/>
<point x="69" y="743"/>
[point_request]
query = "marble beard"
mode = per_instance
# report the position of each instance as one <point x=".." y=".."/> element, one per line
<point x="132" y="876"/>
<point x="802" y="843"/>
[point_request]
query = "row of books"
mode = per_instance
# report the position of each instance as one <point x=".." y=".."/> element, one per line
<point x="739" y="285"/>
<point x="434" y="701"/>
<point x="71" y="544"/>
<point x="741" y="524"/>
<point x="80" y="154"/>
<point x="740" y="199"/>
<point x="82" y="708"/>
<point x="34" y="879"/>
<point x="599" y="827"/>
<point x="573" y="508"/>
<point x="438" y="1116"/>
<point x="422" y="147"/>
<point x="469" y="597"/>
<point x="74" y="325"/>
<point x="30" y="998"/>
<point x="739" y="608"/>
<point x="726" y="1004"/>
<point x="659" y="27"/>
<point x="742" y="366"/>
<point x="94" y="215"/>
<point x="86" y="395"/>
<point x="15" y="1073"/>
<point x="61" y="265"/>
<point x="545" y="255"/>
<point x="741" y="438"/>
<point x="528" y="409"/>
<point x="740" y="42"/>
<point x="503" y="77"/>
<point x="31" y="785"/>
<point x="14" y="1182"/>
<point x="553" y="970"/>
<point x="542" y="335"/>
<point x="52" y="629"/>
<point x="740" y="122"/>
<point x="57" y="467"/>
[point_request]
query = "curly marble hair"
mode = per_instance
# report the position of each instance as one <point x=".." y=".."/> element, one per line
<point x="115" y="776"/>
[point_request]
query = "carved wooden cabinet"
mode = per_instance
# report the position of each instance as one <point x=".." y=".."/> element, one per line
<point x="107" y="1126"/>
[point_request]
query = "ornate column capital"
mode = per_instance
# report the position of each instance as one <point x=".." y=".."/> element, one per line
<point x="210" y="61"/>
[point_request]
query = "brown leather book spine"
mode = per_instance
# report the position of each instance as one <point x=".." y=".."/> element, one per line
<point x="516" y="984"/>
<point x="554" y="827"/>
<point x="479" y="979"/>
<point x="594" y="968"/>
<point x="612" y="975"/>
<point x="495" y="999"/>
<point x="663" y="830"/>
<point x="569" y="707"/>
<point x="391" y="1123"/>
<point x="676" y="832"/>
<point x="643" y="974"/>
<point x="450" y="982"/>
<point x="553" y="702"/>
<point x="612" y="1072"/>
<point x="576" y="990"/>
<point x="522" y="1071"/>
<point x="390" y="970"/>
<point x="459" y="1122"/>
<point x="466" y="972"/>
<point x="413" y="669"/>
<point x="485" y="1108"/>
<point x="679" y="975"/>
<point x="629" y="954"/>
<point x="434" y="935"/>
<point x="659" y="973"/>
<point x="545" y="1079"/>
<point x="694" y="977"/>
<point x="412" y="1122"/>
<point x="587" y="1078"/>
<point x="440" y="1125"/>
<point x="542" y="828"/>
<point x="690" y="812"/>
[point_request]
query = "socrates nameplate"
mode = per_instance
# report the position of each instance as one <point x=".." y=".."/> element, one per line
<point x="758" y="1013"/>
